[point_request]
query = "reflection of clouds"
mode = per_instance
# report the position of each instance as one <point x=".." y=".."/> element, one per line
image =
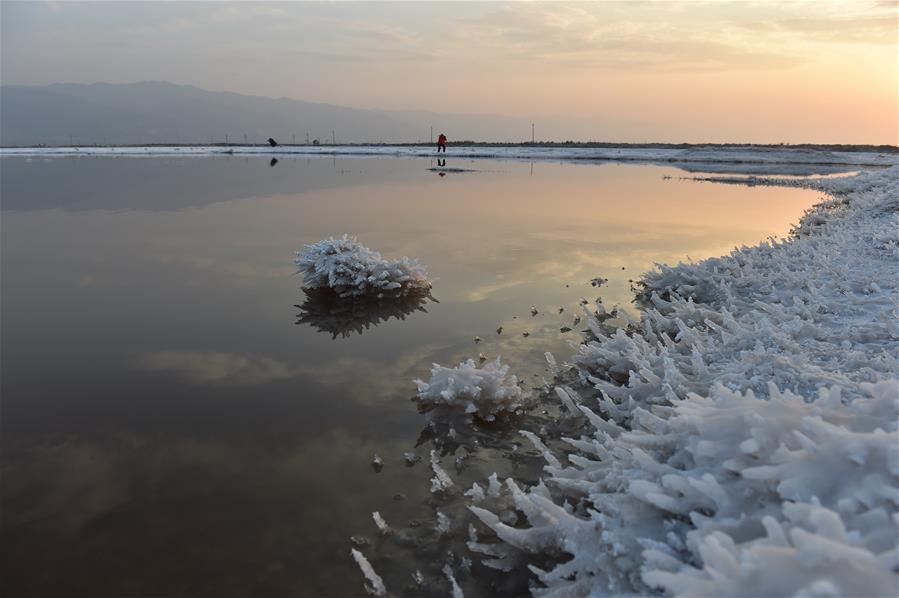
<point x="528" y="264"/>
<point x="83" y="482"/>
<point x="373" y="382"/>
<point x="558" y="271"/>
<point x="526" y="354"/>
<point x="370" y="381"/>
<point x="365" y="381"/>
<point x="581" y="254"/>
<point x="158" y="501"/>
<point x="91" y="476"/>
<point x="226" y="369"/>
<point x="242" y="270"/>
<point x="479" y="293"/>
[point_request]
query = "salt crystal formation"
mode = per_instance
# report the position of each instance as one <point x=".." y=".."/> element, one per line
<point x="375" y="585"/>
<point x="350" y="270"/>
<point x="441" y="482"/>
<point x="741" y="438"/>
<point x="457" y="591"/>
<point x="382" y="525"/>
<point x="484" y="392"/>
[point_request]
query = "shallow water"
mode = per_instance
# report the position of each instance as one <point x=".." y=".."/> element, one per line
<point x="168" y="428"/>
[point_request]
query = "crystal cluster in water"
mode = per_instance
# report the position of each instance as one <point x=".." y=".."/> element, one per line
<point x="350" y="269"/>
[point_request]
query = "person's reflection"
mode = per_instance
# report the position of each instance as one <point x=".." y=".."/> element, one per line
<point x="441" y="162"/>
<point x="326" y="312"/>
<point x="273" y="162"/>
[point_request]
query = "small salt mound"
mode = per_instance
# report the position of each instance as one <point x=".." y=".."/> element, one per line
<point x="481" y="391"/>
<point x="350" y="269"/>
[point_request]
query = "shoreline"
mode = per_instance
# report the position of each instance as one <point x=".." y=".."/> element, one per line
<point x="741" y="437"/>
<point x="749" y="160"/>
<point x="843" y="147"/>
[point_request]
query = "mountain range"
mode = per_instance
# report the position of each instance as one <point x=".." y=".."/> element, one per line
<point x="154" y="112"/>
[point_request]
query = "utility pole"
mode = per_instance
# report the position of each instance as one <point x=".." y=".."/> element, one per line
<point x="307" y="137"/>
<point x="432" y="134"/>
<point x="294" y="138"/>
<point x="244" y="138"/>
<point x="333" y="139"/>
<point x="532" y="132"/>
<point x="226" y="139"/>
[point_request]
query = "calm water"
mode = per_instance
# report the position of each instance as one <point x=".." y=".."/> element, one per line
<point x="168" y="428"/>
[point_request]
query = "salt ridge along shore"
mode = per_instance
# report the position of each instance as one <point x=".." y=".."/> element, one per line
<point x="741" y="438"/>
<point x="773" y="159"/>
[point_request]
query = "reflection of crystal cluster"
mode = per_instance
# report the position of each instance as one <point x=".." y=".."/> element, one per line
<point x="741" y="439"/>
<point x="327" y="312"/>
<point x="350" y="269"/>
<point x="481" y="391"/>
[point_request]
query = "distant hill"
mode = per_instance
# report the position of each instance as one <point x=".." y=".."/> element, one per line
<point x="159" y="112"/>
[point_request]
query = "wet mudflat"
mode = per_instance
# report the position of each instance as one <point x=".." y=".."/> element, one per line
<point x="179" y="418"/>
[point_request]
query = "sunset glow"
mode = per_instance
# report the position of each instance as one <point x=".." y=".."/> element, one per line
<point x="822" y="72"/>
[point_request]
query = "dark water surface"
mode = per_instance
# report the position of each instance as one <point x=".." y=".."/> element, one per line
<point x="167" y="429"/>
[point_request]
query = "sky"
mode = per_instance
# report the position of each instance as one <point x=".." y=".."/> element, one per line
<point x="745" y="71"/>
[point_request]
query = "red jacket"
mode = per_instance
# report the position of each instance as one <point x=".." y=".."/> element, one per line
<point x="442" y="139"/>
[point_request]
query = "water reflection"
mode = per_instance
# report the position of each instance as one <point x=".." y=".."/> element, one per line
<point x="448" y="430"/>
<point x="325" y="311"/>
<point x="166" y="184"/>
<point x="469" y="452"/>
<point x="210" y="421"/>
<point x="442" y="169"/>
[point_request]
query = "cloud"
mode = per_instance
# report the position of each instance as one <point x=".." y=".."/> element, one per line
<point x="244" y="11"/>
<point x="604" y="36"/>
<point x="53" y="6"/>
<point x="204" y="19"/>
<point x="873" y="22"/>
<point x="878" y="29"/>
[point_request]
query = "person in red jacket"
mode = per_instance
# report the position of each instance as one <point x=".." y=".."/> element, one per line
<point x="441" y="143"/>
